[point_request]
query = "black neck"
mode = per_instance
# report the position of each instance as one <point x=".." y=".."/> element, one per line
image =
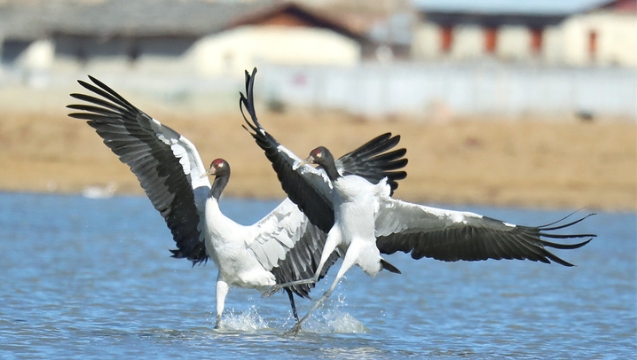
<point x="218" y="185"/>
<point x="330" y="169"/>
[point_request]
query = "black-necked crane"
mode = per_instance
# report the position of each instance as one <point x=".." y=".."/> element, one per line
<point x="282" y="247"/>
<point x="366" y="221"/>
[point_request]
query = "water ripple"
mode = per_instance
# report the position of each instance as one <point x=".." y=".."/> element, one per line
<point x="93" y="279"/>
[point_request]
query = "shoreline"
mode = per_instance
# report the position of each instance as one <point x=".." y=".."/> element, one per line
<point x="443" y="204"/>
<point x="530" y="163"/>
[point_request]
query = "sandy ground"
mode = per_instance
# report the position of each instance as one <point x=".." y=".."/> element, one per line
<point x="544" y="163"/>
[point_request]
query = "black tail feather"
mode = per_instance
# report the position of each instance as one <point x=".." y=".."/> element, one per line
<point x="389" y="267"/>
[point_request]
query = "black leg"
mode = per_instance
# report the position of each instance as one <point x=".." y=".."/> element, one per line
<point x="291" y="297"/>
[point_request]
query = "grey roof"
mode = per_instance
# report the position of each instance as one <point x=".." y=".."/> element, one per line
<point x="108" y="18"/>
<point x="522" y="7"/>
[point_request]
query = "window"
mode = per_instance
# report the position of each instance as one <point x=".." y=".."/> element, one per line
<point x="490" y="40"/>
<point x="536" y="41"/>
<point x="446" y="38"/>
<point x="592" y="45"/>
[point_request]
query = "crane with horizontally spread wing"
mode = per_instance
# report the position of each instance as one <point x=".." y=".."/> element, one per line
<point x="366" y="221"/>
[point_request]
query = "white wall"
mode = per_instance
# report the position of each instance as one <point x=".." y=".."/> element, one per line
<point x="513" y="43"/>
<point x="616" y="38"/>
<point x="35" y="62"/>
<point x="468" y="42"/>
<point x="38" y="56"/>
<point x="552" y="47"/>
<point x="232" y="51"/>
<point x="426" y="41"/>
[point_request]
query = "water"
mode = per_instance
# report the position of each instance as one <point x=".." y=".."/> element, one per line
<point x="93" y="279"/>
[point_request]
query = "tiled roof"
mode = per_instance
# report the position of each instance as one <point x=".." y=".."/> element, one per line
<point x="108" y="18"/>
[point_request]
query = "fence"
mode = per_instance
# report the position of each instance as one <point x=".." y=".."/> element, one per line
<point x="386" y="89"/>
<point x="375" y="89"/>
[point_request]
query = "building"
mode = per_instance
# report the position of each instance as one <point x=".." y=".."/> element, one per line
<point x="586" y="32"/>
<point x="604" y="35"/>
<point x="195" y="37"/>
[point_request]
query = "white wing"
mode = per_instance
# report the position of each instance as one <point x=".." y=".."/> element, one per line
<point x="287" y="244"/>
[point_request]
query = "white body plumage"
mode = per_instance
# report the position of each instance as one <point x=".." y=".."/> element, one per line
<point x="355" y="208"/>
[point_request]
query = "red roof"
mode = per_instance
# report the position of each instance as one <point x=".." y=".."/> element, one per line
<point x="621" y="5"/>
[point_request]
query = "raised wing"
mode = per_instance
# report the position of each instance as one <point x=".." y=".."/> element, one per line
<point x="453" y="235"/>
<point x="372" y="162"/>
<point x="309" y="187"/>
<point x="304" y="186"/>
<point x="166" y="164"/>
<point x="290" y="247"/>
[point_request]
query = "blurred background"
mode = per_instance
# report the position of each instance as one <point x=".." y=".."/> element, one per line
<point x="501" y="102"/>
<point x="521" y="110"/>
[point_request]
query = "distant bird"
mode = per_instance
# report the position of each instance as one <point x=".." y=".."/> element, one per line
<point x="282" y="247"/>
<point x="366" y="221"/>
<point x="99" y="192"/>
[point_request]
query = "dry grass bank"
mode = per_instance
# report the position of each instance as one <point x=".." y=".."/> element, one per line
<point x="535" y="163"/>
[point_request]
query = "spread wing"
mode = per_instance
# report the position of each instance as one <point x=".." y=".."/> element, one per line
<point x="309" y="187"/>
<point x="453" y="235"/>
<point x="290" y="247"/>
<point x="166" y="164"/>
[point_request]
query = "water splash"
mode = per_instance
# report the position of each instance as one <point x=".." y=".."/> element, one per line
<point x="245" y="321"/>
<point x="334" y="321"/>
<point x="337" y="322"/>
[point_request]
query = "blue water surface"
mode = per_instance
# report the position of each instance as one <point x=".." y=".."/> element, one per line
<point x="85" y="278"/>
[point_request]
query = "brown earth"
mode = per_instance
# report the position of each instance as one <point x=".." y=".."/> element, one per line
<point x="546" y="163"/>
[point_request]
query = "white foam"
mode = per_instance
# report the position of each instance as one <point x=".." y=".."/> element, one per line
<point x="328" y="319"/>
<point x="245" y="321"/>
<point x="333" y="321"/>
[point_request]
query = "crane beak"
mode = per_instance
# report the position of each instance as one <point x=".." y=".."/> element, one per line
<point x="210" y="172"/>
<point x="309" y="160"/>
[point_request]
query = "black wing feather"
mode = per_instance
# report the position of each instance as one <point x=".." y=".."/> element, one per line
<point x="302" y="260"/>
<point x="479" y="238"/>
<point x="128" y="132"/>
<point x="371" y="161"/>
<point x="315" y="205"/>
